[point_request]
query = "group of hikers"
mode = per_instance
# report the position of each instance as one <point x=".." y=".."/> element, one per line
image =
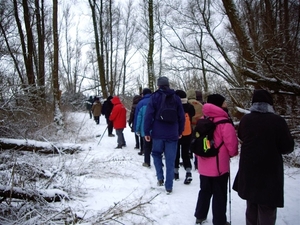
<point x="163" y="123"/>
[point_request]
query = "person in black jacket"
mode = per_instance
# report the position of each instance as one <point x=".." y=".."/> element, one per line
<point x="106" y="110"/>
<point x="264" y="137"/>
<point x="183" y="145"/>
<point x="138" y="140"/>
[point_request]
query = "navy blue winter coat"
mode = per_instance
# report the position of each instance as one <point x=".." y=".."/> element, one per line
<point x="158" y="129"/>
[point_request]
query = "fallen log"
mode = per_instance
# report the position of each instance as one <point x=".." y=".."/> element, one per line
<point x="39" y="146"/>
<point x="49" y="195"/>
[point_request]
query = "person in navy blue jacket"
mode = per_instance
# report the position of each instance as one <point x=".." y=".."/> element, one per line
<point x="164" y="134"/>
<point x="140" y="111"/>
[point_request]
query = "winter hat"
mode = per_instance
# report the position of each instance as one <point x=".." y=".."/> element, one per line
<point x="261" y="95"/>
<point x="216" y="99"/>
<point x="146" y="91"/>
<point x="180" y="93"/>
<point x="162" y="81"/>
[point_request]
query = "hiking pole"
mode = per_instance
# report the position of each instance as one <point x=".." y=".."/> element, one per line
<point x="102" y="135"/>
<point x="229" y="183"/>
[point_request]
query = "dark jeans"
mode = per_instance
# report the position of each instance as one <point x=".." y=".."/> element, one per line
<point x="260" y="214"/>
<point x="183" y="148"/>
<point x="121" y="139"/>
<point x="215" y="187"/>
<point x="147" y="151"/>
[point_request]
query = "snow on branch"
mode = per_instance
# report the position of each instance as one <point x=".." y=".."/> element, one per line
<point x="49" y="195"/>
<point x="273" y="83"/>
<point x="39" y="146"/>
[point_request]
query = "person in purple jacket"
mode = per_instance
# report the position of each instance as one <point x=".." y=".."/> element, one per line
<point x="164" y="134"/>
<point x="214" y="176"/>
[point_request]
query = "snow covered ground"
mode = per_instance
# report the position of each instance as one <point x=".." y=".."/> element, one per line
<point x="115" y="179"/>
<point x="110" y="186"/>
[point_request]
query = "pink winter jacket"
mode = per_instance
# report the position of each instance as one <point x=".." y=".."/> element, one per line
<point x="224" y="132"/>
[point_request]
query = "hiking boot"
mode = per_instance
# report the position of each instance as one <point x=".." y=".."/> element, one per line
<point x="176" y="176"/>
<point x="146" y="165"/>
<point x="169" y="191"/>
<point x="119" y="146"/>
<point x="188" y="178"/>
<point x="141" y="153"/>
<point x="111" y="135"/>
<point x="200" y="221"/>
<point x="124" y="145"/>
<point x="136" y="147"/>
<point x="227" y="223"/>
<point x="160" y="183"/>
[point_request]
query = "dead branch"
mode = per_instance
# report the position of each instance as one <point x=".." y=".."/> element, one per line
<point x="49" y="195"/>
<point x="38" y="146"/>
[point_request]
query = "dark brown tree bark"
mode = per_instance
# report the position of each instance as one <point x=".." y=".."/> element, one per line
<point x="150" y="63"/>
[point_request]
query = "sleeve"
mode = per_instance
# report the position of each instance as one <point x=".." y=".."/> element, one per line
<point x="149" y="116"/>
<point x="285" y="141"/>
<point x="230" y="139"/>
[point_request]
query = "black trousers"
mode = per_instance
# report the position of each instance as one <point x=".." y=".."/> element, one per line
<point x="260" y="214"/>
<point x="215" y="187"/>
<point x="109" y="126"/>
<point x="183" y="149"/>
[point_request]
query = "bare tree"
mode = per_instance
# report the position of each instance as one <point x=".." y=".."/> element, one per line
<point x="56" y="91"/>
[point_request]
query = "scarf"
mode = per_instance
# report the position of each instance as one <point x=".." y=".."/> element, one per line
<point x="262" y="107"/>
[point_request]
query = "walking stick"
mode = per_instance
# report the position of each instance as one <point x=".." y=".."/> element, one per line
<point x="102" y="135"/>
<point x="229" y="183"/>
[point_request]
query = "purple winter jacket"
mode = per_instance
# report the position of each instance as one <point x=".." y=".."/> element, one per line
<point x="224" y="132"/>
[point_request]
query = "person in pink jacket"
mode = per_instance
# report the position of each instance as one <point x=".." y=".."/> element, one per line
<point x="214" y="176"/>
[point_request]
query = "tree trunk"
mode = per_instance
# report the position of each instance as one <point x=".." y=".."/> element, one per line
<point x="150" y="62"/>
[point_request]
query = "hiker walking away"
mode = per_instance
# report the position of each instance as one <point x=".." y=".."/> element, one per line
<point x="89" y="104"/>
<point x="264" y="136"/>
<point x="214" y="171"/>
<point x="164" y="123"/>
<point x="138" y="140"/>
<point x="106" y="110"/>
<point x="118" y="118"/>
<point x="191" y="96"/>
<point x="139" y="125"/>
<point x="183" y="146"/>
<point x="96" y="110"/>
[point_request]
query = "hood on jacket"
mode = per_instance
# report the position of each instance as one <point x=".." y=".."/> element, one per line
<point x="116" y="100"/>
<point x="191" y="94"/>
<point x="109" y="98"/>
<point x="213" y="111"/>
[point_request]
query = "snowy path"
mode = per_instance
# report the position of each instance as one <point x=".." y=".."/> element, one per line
<point x="113" y="175"/>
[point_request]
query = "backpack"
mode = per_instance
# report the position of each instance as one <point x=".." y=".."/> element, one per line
<point x="202" y="141"/>
<point x="187" y="126"/>
<point x="167" y="111"/>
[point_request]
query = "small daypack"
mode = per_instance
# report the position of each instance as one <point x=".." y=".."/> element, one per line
<point x="203" y="138"/>
<point x="187" y="125"/>
<point x="167" y="111"/>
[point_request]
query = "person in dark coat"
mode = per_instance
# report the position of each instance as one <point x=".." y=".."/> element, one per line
<point x="106" y="111"/>
<point x="89" y="104"/>
<point x="183" y="146"/>
<point x="164" y="135"/>
<point x="138" y="140"/>
<point x="264" y="136"/>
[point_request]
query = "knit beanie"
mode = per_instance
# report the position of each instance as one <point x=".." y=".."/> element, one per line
<point x="261" y="95"/>
<point x="216" y="99"/>
<point x="162" y="81"/>
<point x="180" y="93"/>
<point x="146" y="91"/>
